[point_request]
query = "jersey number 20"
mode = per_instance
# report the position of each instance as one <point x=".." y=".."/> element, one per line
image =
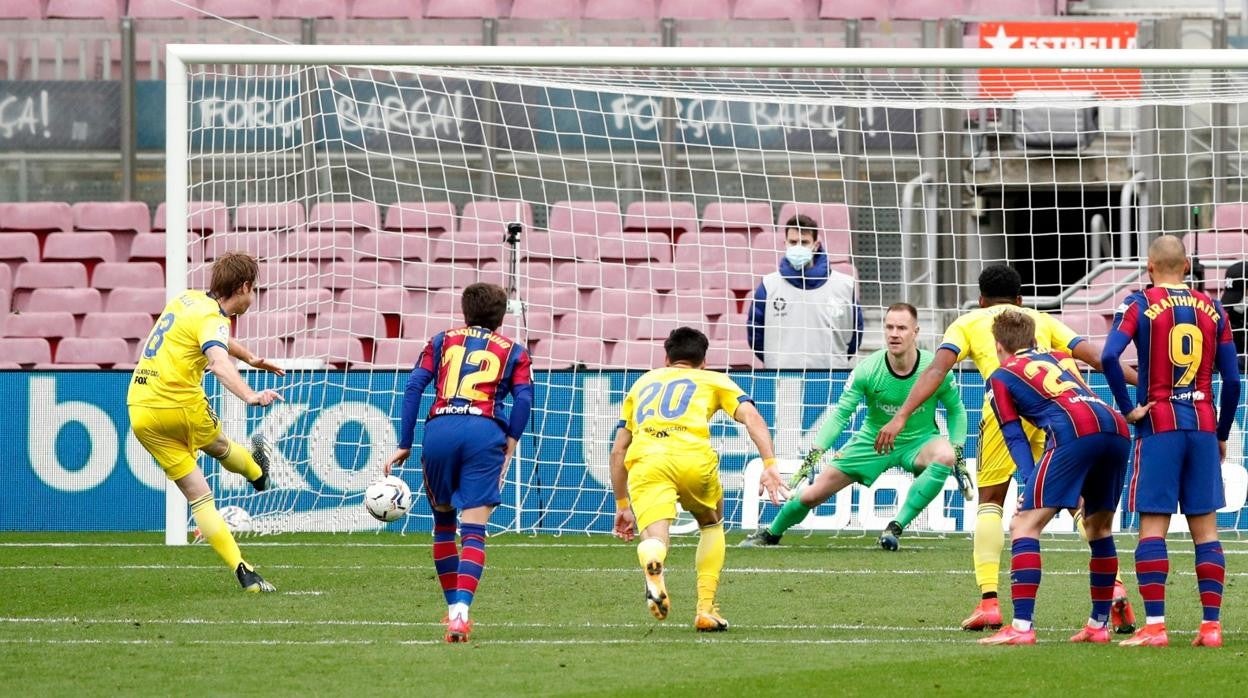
<point x="673" y="403"/>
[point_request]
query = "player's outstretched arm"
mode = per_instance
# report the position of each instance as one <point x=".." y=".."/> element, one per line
<point x="221" y="366"/>
<point x="925" y="387"/>
<point x="1086" y="352"/>
<point x="412" y="394"/>
<point x="770" y="482"/>
<point x="245" y="355"/>
<point x="1228" y="367"/>
<point x="625" y="522"/>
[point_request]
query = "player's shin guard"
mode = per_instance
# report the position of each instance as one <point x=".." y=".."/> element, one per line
<point x="1152" y="566"/>
<point x="790" y="515"/>
<point x="989" y="542"/>
<point x="1210" y="576"/>
<point x="238" y="459"/>
<point x="1024" y="580"/>
<point x="446" y="554"/>
<point x="927" y="486"/>
<point x="709" y="561"/>
<point x="471" y="564"/>
<point x="212" y="527"/>
<point x="1102" y="570"/>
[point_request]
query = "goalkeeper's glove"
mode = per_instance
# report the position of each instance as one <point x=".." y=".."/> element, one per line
<point x="810" y="467"/>
<point x="961" y="475"/>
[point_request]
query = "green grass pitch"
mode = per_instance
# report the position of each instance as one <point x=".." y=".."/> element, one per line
<point x="121" y="614"/>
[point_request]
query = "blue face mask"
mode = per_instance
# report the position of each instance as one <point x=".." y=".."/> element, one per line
<point x="799" y="257"/>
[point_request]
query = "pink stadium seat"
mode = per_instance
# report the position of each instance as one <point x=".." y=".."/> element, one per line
<point x="286" y="275"/>
<point x="638" y="355"/>
<point x="163" y="9"/>
<point x="269" y="347"/>
<point x="927" y="9"/>
<point x="656" y="277"/>
<point x="1012" y="8"/>
<point x="597" y="218"/>
<point x="359" y="322"/>
<point x="1229" y="245"/>
<point x="591" y="324"/>
<point x="397" y="353"/>
<point x="538" y="326"/>
<point x="493" y="216"/>
<point x="239" y="9"/>
<point x="618" y="303"/>
<point x="393" y="246"/>
<point x="1094" y="326"/>
<point x="532" y="274"/>
<point x="710" y="302"/>
<point x="151" y="247"/>
<point x="709" y="250"/>
<point x="255" y="325"/>
<point x="51" y="325"/>
<point x="6" y="278"/>
<point x="130" y="326"/>
<point x="467" y="244"/>
<point x="546" y="9"/>
<point x="492" y="273"/>
<point x="308" y="301"/>
<point x="259" y="244"/>
<point x="286" y="217"/>
<point x="314" y="246"/>
<point x="658" y="326"/>
<point x="46" y="275"/>
<point x="750" y="218"/>
<point x="102" y="351"/>
<point x="566" y="352"/>
<point x="614" y="9"/>
<point x="1230" y="217"/>
<point x="461" y="9"/>
<point x="833" y="221"/>
<point x="731" y="353"/>
<point x="359" y="274"/>
<point x="560" y="245"/>
<point x="429" y="216"/>
<point x="695" y="9"/>
<point x="418" y="275"/>
<point x="387" y="9"/>
<point x="338" y="350"/>
<point x="556" y="300"/>
<point x="1101" y="283"/>
<point x="591" y="275"/>
<point x="84" y="9"/>
<point x="21" y="9"/>
<point x="131" y="216"/>
<point x="25" y="351"/>
<point x="19" y="246"/>
<point x="349" y="216"/>
<point x="95" y="247"/>
<point x="138" y="300"/>
<point x="396" y="301"/>
<point x="637" y="247"/>
<point x="299" y="9"/>
<point x="37" y="217"/>
<point x="423" y="325"/>
<point x="670" y="217"/>
<point x="201" y="217"/>
<point x="76" y="301"/>
<point x="771" y="9"/>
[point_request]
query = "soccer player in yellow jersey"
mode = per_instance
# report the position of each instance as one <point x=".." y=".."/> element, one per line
<point x="170" y="414"/>
<point x="662" y="455"/>
<point x="971" y="336"/>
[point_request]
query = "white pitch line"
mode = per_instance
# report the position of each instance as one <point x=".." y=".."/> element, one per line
<point x="606" y="641"/>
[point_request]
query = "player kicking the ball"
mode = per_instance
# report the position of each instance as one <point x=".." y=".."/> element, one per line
<point x="662" y="455"/>
<point x="883" y="380"/>
<point x="1085" y="456"/>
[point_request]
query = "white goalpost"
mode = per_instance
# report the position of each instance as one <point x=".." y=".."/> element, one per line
<point x="618" y="193"/>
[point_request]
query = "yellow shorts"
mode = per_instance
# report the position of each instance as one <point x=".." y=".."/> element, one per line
<point x="994" y="464"/>
<point x="656" y="483"/>
<point x="174" y="435"/>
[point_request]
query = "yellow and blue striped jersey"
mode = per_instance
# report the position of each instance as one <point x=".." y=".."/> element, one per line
<point x="668" y="410"/>
<point x="170" y="372"/>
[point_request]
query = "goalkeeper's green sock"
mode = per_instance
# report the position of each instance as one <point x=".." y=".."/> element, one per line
<point x="927" y="486"/>
<point x="791" y="514"/>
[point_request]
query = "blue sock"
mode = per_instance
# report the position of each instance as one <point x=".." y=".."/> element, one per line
<point x="471" y="561"/>
<point x="1024" y="576"/>
<point x="1210" y="575"/>
<point x="446" y="553"/>
<point x="1102" y="569"/>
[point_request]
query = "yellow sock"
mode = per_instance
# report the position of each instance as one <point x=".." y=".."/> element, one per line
<point x="238" y="460"/>
<point x="1083" y="532"/>
<point x="709" y="562"/>
<point x="989" y="541"/>
<point x="651" y="549"/>
<point x="212" y="527"/>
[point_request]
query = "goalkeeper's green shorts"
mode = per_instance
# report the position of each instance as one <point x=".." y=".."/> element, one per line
<point x="863" y="465"/>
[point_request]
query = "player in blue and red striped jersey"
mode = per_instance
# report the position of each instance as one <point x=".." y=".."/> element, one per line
<point x="1085" y="455"/>
<point x="1181" y="335"/>
<point x="469" y="438"/>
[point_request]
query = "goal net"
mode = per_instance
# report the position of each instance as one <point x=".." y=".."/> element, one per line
<point x="374" y="185"/>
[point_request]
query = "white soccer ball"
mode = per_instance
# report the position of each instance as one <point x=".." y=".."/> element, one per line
<point x="388" y="499"/>
<point x="236" y="519"/>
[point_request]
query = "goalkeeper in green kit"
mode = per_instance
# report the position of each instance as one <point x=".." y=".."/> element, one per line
<point x="884" y="380"/>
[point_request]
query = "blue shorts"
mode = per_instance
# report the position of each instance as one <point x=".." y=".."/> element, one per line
<point x="1092" y="467"/>
<point x="463" y="461"/>
<point x="1177" y="469"/>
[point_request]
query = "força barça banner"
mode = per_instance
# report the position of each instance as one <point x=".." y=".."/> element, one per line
<point x="73" y="464"/>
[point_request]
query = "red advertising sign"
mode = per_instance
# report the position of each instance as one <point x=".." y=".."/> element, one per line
<point x="1058" y="36"/>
